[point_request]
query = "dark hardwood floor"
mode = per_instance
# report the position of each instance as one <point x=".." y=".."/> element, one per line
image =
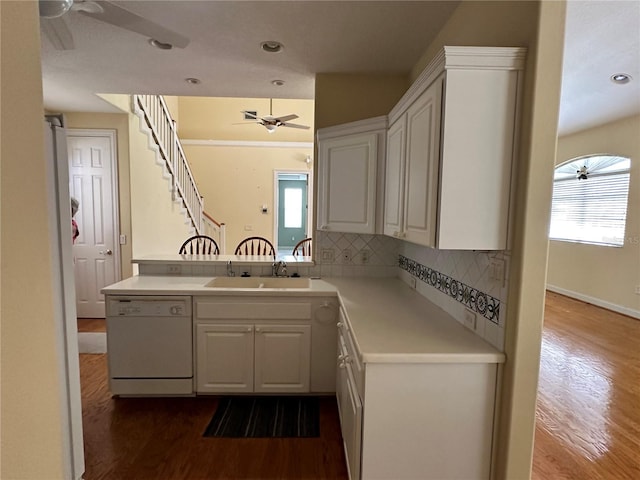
<point x="588" y="414"/>
<point x="587" y="420"/>
<point x="161" y="439"/>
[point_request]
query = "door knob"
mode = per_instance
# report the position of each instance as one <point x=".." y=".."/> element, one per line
<point x="108" y="251"/>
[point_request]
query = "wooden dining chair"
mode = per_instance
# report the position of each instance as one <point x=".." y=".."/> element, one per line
<point x="255" y="246"/>
<point x="200" y="245"/>
<point x="303" y="248"/>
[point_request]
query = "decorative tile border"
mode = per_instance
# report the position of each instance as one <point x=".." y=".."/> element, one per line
<point x="472" y="298"/>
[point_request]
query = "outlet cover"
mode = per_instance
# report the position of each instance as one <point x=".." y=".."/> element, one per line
<point x="365" y="255"/>
<point x="174" y="269"/>
<point x="412" y="282"/>
<point x="327" y="255"/>
<point x="469" y="319"/>
<point x="637" y="289"/>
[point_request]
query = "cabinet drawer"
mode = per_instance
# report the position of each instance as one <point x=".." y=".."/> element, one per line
<point x="348" y="348"/>
<point x="252" y="311"/>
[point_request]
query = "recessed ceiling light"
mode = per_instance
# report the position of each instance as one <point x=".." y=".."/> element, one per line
<point x="193" y="81"/>
<point x="271" y="46"/>
<point x="160" y="45"/>
<point x="277" y="83"/>
<point x="621" y="78"/>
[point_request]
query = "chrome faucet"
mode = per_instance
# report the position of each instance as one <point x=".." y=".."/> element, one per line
<point x="230" y="272"/>
<point x="279" y="269"/>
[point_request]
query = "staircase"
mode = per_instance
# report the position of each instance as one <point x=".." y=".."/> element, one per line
<point x="162" y="131"/>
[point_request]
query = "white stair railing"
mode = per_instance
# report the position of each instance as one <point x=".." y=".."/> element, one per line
<point x="164" y="132"/>
<point x="215" y="230"/>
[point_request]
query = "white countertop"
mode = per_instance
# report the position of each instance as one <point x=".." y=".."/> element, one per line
<point x="391" y="323"/>
<point x="184" y="285"/>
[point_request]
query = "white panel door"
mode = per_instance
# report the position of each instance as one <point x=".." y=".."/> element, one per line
<point x="347" y="184"/>
<point x="422" y="166"/>
<point x="224" y="358"/>
<point x="394" y="178"/>
<point x="91" y="172"/>
<point x="282" y="358"/>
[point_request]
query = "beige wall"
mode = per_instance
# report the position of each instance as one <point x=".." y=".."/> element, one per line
<point x="607" y="274"/>
<point x="214" y="118"/>
<point x="31" y="422"/>
<point x="237" y="181"/>
<point x="158" y="225"/>
<point x="343" y="98"/>
<point x="119" y="123"/>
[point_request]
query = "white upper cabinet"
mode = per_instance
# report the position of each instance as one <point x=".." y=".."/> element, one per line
<point x="350" y="157"/>
<point x="451" y="149"/>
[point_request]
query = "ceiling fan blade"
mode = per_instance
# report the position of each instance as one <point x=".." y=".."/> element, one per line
<point x="120" y="17"/>
<point x="247" y="123"/>
<point x="295" y="125"/>
<point x="58" y="33"/>
<point x="287" y="118"/>
<point x="249" y="114"/>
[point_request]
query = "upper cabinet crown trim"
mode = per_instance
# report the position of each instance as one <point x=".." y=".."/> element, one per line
<point x="450" y="58"/>
<point x="360" y="126"/>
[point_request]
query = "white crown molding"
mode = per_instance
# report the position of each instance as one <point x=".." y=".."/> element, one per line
<point x="359" y="126"/>
<point x="246" y="143"/>
<point x="452" y="58"/>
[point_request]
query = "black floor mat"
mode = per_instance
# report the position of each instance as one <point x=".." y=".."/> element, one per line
<point x="260" y="417"/>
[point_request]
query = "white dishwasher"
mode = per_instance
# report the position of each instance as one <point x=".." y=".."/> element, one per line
<point x="149" y="345"/>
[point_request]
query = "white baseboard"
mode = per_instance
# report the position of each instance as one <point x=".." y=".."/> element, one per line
<point x="595" y="301"/>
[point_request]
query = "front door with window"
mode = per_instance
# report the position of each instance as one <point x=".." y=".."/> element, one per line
<point x="292" y="212"/>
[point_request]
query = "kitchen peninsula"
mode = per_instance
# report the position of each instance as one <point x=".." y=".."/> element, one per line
<point x="415" y="389"/>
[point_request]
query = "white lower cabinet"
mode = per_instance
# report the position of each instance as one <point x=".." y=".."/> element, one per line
<point x="282" y="358"/>
<point x="404" y="421"/>
<point x="263" y="345"/>
<point x="253" y="358"/>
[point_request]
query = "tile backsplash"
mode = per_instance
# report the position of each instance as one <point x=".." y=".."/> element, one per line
<point x="461" y="280"/>
<point x="354" y="255"/>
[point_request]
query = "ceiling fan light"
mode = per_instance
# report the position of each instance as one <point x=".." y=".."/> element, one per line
<point x="54" y="8"/>
<point x="271" y="128"/>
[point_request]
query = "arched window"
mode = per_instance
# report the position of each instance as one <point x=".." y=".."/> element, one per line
<point x="590" y="200"/>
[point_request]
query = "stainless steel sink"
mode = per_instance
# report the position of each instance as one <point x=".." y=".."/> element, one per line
<point x="259" y="282"/>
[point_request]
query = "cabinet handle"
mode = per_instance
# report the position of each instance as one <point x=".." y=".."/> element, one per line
<point x="249" y="329"/>
<point x="257" y="329"/>
<point x="324" y="227"/>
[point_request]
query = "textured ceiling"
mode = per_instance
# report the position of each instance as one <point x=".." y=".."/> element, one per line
<point x="602" y="38"/>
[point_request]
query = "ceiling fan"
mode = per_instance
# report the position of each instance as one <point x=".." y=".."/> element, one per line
<point x="56" y="29"/>
<point x="270" y="122"/>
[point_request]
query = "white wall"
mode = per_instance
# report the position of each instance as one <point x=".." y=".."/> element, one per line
<point x="606" y="276"/>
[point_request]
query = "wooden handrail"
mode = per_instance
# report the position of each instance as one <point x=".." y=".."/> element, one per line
<point x="211" y="219"/>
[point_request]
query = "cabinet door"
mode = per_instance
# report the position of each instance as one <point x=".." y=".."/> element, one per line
<point x="347" y="183"/>
<point x="282" y="358"/>
<point x="422" y="166"/>
<point x="224" y="358"/>
<point x="350" y="408"/>
<point x="394" y="178"/>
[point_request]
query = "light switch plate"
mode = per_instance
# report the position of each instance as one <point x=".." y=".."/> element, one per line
<point x="469" y="319"/>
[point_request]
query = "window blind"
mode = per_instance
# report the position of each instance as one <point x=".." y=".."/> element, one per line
<point x="592" y="210"/>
